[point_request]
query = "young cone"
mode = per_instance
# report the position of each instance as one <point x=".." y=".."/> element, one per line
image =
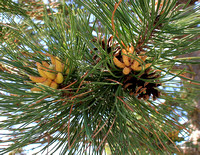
<point x="50" y="73"/>
<point x="58" y="65"/>
<point x="59" y="78"/>
<point x="41" y="70"/>
<point x="37" y="79"/>
<point x="47" y="82"/>
<point x="45" y="64"/>
<point x="125" y="57"/>
<point x="54" y="85"/>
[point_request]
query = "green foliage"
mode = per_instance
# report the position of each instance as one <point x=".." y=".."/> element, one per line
<point x="91" y="109"/>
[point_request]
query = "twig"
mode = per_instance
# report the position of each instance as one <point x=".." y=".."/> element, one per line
<point x="112" y="20"/>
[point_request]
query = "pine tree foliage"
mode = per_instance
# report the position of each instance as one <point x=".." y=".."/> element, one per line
<point x="118" y="87"/>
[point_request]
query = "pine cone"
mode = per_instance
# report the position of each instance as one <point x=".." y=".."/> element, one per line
<point x="107" y="46"/>
<point x="143" y="89"/>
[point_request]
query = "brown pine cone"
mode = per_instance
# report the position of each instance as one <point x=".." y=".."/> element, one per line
<point x="142" y="89"/>
<point x="107" y="46"/>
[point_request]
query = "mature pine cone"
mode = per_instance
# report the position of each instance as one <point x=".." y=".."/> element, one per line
<point x="143" y="89"/>
<point x="107" y="46"/>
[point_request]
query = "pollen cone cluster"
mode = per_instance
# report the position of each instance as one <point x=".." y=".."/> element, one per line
<point x="50" y="74"/>
<point x="131" y="64"/>
<point x="128" y="60"/>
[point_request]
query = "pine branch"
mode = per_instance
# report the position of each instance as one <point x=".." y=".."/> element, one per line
<point x="67" y="81"/>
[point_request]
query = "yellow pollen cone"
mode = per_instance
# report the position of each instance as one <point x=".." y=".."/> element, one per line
<point x="50" y="73"/>
<point x="126" y="70"/>
<point x="130" y="53"/>
<point x="118" y="63"/>
<point x="125" y="58"/>
<point x="53" y="60"/>
<point x="135" y="64"/>
<point x="37" y="79"/>
<point x="45" y="64"/>
<point x="143" y="67"/>
<point x="138" y="61"/>
<point x="47" y="82"/>
<point x="54" y="85"/>
<point x="59" y="78"/>
<point x="58" y="64"/>
<point x="41" y="70"/>
<point x="66" y="62"/>
<point x="147" y="65"/>
<point x="144" y="58"/>
<point x="131" y="50"/>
